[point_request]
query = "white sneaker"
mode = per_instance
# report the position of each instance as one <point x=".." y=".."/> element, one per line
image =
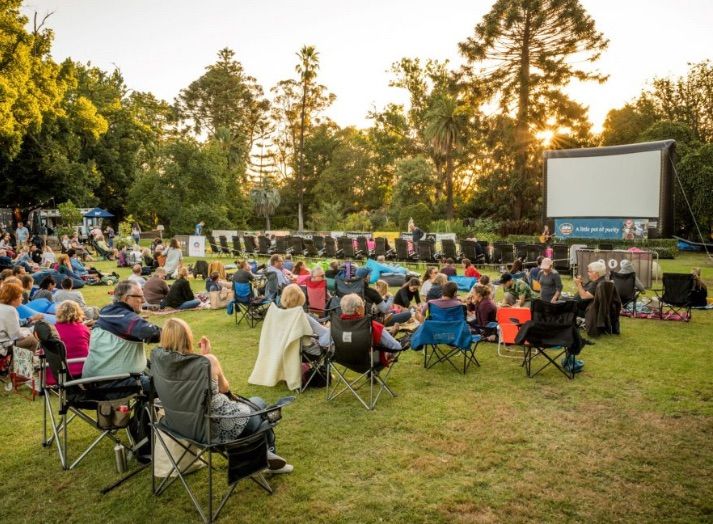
<point x="287" y="468"/>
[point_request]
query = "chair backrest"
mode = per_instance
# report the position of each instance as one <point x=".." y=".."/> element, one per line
<point x="182" y="383"/>
<point x="402" y="248"/>
<point x="425" y="250"/>
<point x="508" y="328"/>
<point x="533" y="251"/>
<point x="352" y="342"/>
<point x="272" y="287"/>
<point x="469" y="249"/>
<point x="243" y="292"/>
<point x="561" y="259"/>
<point x="677" y="288"/>
<point x="310" y="249"/>
<point x="296" y="244"/>
<point x="201" y="268"/>
<point x="558" y="313"/>
<point x="508" y="253"/>
<point x="380" y="246"/>
<point x="444" y="326"/>
<point x="224" y="243"/>
<point x="346" y="244"/>
<point x="448" y="247"/>
<point x="330" y="246"/>
<point x="625" y="284"/>
<point x="362" y="244"/>
<point x="345" y="286"/>
<point x="446" y="314"/>
<point x="316" y="293"/>
<point x="236" y="243"/>
<point x="282" y="244"/>
<point x="264" y="244"/>
<point x="250" y="246"/>
<point x="318" y="241"/>
<point x="56" y="356"/>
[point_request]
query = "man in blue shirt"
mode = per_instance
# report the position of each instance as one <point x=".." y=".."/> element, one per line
<point x="199" y="228"/>
<point x="22" y="234"/>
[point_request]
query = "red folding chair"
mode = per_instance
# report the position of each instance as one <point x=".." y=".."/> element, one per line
<point x="508" y="319"/>
<point x="316" y="296"/>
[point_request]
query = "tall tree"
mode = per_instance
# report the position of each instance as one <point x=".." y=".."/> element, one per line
<point x="528" y="50"/>
<point x="297" y="106"/>
<point x="447" y="123"/>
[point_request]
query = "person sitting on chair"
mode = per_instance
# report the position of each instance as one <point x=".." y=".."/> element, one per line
<point x="353" y="308"/>
<point x="483" y="311"/>
<point x="333" y="270"/>
<point x="449" y="298"/>
<point x="585" y="292"/>
<point x="177" y="336"/>
<point x="416" y="232"/>
<point x="436" y="290"/>
<point x="699" y="294"/>
<point x="373" y="296"/>
<point x="156" y="288"/>
<point x="294" y="297"/>
<point x="517" y="292"/>
<point x="625" y="268"/>
<point x="10" y="331"/>
<point x="276" y="266"/>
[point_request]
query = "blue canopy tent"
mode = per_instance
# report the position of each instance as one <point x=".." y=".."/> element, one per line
<point x="98" y="212"/>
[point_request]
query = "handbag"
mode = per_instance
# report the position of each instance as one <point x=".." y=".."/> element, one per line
<point x="220" y="299"/>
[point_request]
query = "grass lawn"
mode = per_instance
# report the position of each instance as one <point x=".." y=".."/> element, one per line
<point x="630" y="439"/>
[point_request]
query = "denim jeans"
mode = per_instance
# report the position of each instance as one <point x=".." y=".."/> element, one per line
<point x="190" y="304"/>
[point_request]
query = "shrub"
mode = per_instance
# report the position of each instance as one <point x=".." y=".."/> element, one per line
<point x="420" y="213"/>
<point x="71" y="217"/>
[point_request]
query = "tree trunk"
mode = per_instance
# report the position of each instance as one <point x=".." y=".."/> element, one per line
<point x="267" y="222"/>
<point x="300" y="180"/>
<point x="449" y="187"/>
<point x="522" y="133"/>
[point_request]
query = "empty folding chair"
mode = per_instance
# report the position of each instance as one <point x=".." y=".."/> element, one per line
<point x="250" y="245"/>
<point x="214" y="247"/>
<point x="560" y="260"/>
<point x="354" y="353"/>
<point x="317" y="296"/>
<point x="402" y="251"/>
<point x="447" y="335"/>
<point x="508" y="253"/>
<point x="237" y="249"/>
<point x="363" y="247"/>
<point x="425" y="251"/>
<point x="521" y="250"/>
<point x="296" y="245"/>
<point x="346" y="286"/>
<point x="319" y="243"/>
<point x="264" y="245"/>
<point x="345" y="247"/>
<point x="330" y="247"/>
<point x="551" y="334"/>
<point x="497" y="256"/>
<point x="246" y="305"/>
<point x="310" y="250"/>
<point x="282" y="245"/>
<point x="675" y="297"/>
<point x="382" y="248"/>
<point x="533" y="251"/>
<point x="484" y="248"/>
<point x="186" y="427"/>
<point x="449" y="250"/>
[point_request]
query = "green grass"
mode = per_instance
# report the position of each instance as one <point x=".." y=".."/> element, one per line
<point x="628" y="440"/>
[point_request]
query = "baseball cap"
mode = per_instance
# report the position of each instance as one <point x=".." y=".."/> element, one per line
<point x="507" y="277"/>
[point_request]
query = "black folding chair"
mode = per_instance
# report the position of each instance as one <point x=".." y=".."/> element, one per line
<point x="550" y="334"/>
<point x="346" y="286"/>
<point x="675" y="297"/>
<point x="224" y="248"/>
<point x="105" y="403"/>
<point x="449" y="250"/>
<point x="425" y="251"/>
<point x="310" y="249"/>
<point x="296" y="245"/>
<point x="521" y="251"/>
<point x="345" y="246"/>
<point x="330" y="247"/>
<point x="237" y="249"/>
<point x="363" y="247"/>
<point x="319" y="243"/>
<point x="250" y="245"/>
<point x="183" y="383"/>
<point x="447" y="335"/>
<point x="402" y="251"/>
<point x="282" y="245"/>
<point x="382" y="248"/>
<point x="264" y="246"/>
<point x="508" y="253"/>
<point x="533" y="251"/>
<point x="214" y="247"/>
<point x="625" y="284"/>
<point x="354" y="352"/>
<point x="560" y="260"/>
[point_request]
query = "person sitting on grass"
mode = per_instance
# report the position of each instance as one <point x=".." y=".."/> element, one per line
<point x="136" y="275"/>
<point x="174" y="258"/>
<point x="235" y="421"/>
<point x="156" y="288"/>
<point x="407" y="293"/>
<point x="469" y="270"/>
<point x="436" y="290"/>
<point x="180" y="295"/>
<point x="28" y="284"/>
<point x="517" y="271"/>
<point x="67" y="293"/>
<point x="699" y="294"/>
<point x="517" y="292"/>
<point x="450" y="268"/>
<point x="10" y="331"/>
<point x="428" y="277"/>
<point x="47" y="287"/>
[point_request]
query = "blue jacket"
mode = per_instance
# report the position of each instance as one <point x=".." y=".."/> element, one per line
<point x="119" y="319"/>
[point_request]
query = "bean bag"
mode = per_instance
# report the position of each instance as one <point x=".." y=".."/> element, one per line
<point x="464" y="283"/>
<point x="26" y="312"/>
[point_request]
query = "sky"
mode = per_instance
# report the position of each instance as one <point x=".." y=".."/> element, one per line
<point x="163" y="45"/>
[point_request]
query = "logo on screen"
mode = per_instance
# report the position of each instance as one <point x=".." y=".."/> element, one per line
<point x="566" y="229"/>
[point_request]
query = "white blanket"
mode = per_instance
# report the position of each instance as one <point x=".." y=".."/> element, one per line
<point x="279" y="355"/>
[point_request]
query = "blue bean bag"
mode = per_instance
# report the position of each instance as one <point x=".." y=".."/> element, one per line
<point x="464" y="283"/>
<point x="42" y="305"/>
<point x="26" y="312"/>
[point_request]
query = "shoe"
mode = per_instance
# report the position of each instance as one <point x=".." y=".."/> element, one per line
<point x="275" y="462"/>
<point x="287" y="468"/>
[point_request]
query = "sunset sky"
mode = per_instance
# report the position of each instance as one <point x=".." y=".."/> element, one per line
<point x="163" y="45"/>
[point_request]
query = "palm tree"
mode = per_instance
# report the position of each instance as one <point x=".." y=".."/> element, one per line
<point x="265" y="201"/>
<point x="447" y="121"/>
<point x="307" y="69"/>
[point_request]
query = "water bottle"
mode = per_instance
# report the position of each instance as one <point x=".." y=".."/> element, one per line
<point x="120" y="458"/>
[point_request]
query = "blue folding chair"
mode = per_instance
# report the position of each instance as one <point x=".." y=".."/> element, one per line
<point x="246" y="306"/>
<point x="445" y="335"/>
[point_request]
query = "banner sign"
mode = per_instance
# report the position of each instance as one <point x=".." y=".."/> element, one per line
<point x="196" y="246"/>
<point x="602" y="228"/>
<point x="642" y="262"/>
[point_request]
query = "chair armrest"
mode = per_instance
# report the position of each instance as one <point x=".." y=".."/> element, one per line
<point x="91" y="380"/>
<point x="491" y="325"/>
<point x="76" y="360"/>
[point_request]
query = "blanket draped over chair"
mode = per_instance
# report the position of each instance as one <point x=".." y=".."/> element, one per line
<point x="279" y="354"/>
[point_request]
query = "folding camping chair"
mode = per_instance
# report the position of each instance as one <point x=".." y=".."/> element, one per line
<point x="187" y="424"/>
<point x="508" y="253"/>
<point x="402" y="251"/>
<point x="472" y="251"/>
<point x="448" y="247"/>
<point x="316" y="294"/>
<point x="625" y="284"/>
<point x="296" y="245"/>
<point x="447" y="334"/>
<point x="214" y="247"/>
<point x="282" y="245"/>
<point x="345" y="246"/>
<point x="675" y="297"/>
<point x="561" y="258"/>
<point x="246" y="305"/>
<point x="330" y="247"/>
<point x="354" y="351"/>
<point x="264" y="246"/>
<point x="532" y="251"/>
<point x="75" y="397"/>
<point x="237" y="249"/>
<point x="508" y="319"/>
<point x="319" y="244"/>
<point x="425" y="251"/>
<point x="382" y="248"/>
<point x="310" y="249"/>
<point x="224" y="248"/>
<point x="250" y="245"/>
<point x="363" y="247"/>
<point x="345" y="286"/>
<point x="553" y="329"/>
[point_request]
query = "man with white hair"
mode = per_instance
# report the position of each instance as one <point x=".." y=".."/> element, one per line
<point x="585" y="292"/>
<point x="352" y="307"/>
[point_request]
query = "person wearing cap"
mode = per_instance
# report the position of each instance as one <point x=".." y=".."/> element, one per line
<point x="550" y="282"/>
<point x="517" y="292"/>
<point x="625" y="268"/>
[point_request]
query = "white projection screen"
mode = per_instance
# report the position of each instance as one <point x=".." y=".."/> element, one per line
<point x="617" y="182"/>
